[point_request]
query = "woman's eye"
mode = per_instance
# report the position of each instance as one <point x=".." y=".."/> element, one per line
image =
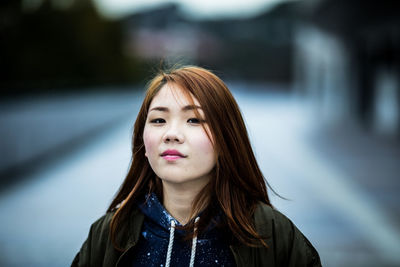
<point x="157" y="121"/>
<point x="195" y="120"/>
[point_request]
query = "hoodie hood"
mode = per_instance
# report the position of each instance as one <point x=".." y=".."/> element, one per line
<point x="161" y="244"/>
<point x="158" y="216"/>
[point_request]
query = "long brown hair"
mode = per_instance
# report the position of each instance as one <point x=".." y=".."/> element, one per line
<point x="238" y="184"/>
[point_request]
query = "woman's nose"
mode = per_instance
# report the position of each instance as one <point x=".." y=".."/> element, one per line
<point x="173" y="134"/>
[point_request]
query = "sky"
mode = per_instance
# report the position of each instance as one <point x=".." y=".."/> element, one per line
<point x="194" y="8"/>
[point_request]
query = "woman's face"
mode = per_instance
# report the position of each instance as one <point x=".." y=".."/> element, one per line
<point x="177" y="146"/>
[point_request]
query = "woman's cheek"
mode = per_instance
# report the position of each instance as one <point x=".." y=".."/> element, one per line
<point x="205" y="145"/>
<point x="148" y="141"/>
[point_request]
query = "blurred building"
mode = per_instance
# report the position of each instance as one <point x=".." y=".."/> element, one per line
<point x="164" y="33"/>
<point x="347" y="58"/>
<point x="256" y="48"/>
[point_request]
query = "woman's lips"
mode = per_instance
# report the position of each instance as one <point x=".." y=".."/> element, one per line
<point x="172" y="155"/>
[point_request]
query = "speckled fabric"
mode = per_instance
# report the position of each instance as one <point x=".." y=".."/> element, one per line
<point x="151" y="250"/>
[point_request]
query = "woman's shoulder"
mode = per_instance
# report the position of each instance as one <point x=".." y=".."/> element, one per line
<point x="265" y="216"/>
<point x="93" y="249"/>
<point x="98" y="249"/>
<point x="288" y="240"/>
<point x="271" y="222"/>
<point x="129" y="226"/>
<point x="104" y="219"/>
<point x="100" y="229"/>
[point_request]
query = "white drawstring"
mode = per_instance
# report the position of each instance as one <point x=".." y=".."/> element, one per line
<point x="194" y="243"/>
<point x="171" y="243"/>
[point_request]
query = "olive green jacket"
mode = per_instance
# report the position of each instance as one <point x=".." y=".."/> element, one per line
<point x="287" y="245"/>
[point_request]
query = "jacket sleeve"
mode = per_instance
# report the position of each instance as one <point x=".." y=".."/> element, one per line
<point x="293" y="248"/>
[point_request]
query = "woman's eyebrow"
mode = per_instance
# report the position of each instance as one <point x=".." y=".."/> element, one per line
<point x="191" y="107"/>
<point x="185" y="108"/>
<point x="165" y="109"/>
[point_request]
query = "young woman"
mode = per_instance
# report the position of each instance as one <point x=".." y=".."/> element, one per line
<point x="194" y="194"/>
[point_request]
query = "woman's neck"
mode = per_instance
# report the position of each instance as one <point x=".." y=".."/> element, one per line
<point x="178" y="200"/>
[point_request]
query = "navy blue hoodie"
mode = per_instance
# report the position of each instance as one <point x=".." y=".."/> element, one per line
<point x="211" y="248"/>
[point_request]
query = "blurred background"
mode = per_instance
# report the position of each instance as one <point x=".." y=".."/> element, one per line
<point x="318" y="82"/>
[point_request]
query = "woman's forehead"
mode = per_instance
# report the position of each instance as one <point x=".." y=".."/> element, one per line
<point x="172" y="94"/>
